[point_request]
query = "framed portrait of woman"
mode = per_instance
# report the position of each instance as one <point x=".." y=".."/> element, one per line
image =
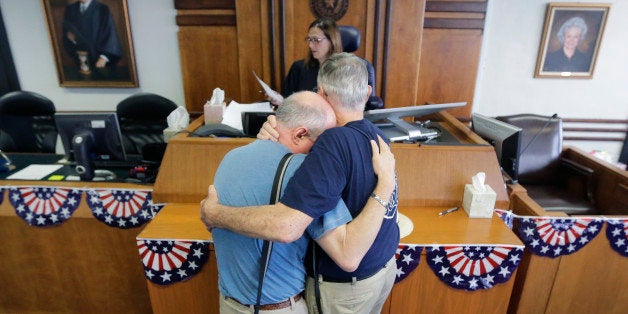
<point x="571" y="39"/>
<point x="91" y="41"/>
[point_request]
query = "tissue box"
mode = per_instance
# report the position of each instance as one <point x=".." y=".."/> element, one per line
<point x="478" y="204"/>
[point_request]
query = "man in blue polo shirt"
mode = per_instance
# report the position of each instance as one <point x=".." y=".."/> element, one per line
<point x="245" y="177"/>
<point x="338" y="167"/>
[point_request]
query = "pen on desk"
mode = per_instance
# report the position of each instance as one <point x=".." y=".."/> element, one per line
<point x="445" y="212"/>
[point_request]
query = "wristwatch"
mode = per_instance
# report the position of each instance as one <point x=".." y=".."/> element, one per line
<point x="379" y="200"/>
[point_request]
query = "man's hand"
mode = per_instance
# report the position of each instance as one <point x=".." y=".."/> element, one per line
<point x="208" y="205"/>
<point x="101" y="63"/>
<point x="268" y="132"/>
<point x="384" y="164"/>
<point x="71" y="37"/>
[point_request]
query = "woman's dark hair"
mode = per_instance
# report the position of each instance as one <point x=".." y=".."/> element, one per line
<point x="332" y="33"/>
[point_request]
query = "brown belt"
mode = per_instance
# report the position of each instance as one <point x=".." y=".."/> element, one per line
<point x="274" y="306"/>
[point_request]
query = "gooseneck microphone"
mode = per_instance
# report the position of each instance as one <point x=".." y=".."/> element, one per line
<point x="538" y="133"/>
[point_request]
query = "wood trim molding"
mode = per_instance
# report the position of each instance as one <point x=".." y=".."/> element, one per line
<point x="273" y="39"/>
<point x="455" y="6"/>
<point x="206" y="20"/>
<point x="451" y="23"/>
<point x="468" y="11"/>
<point x="387" y="21"/>
<point x="204" y="4"/>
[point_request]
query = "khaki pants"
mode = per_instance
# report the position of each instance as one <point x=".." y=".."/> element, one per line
<point x="230" y="306"/>
<point x="364" y="296"/>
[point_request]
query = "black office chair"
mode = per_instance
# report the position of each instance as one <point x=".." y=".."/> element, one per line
<point x="554" y="182"/>
<point x="27" y="123"/>
<point x="142" y="119"/>
<point x="350" y="37"/>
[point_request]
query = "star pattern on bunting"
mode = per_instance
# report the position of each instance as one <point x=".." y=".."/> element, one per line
<point x="407" y="258"/>
<point x="617" y="235"/>
<point x="122" y="208"/>
<point x="473" y="267"/>
<point x="43" y="206"/>
<point x="166" y="262"/>
<point x="554" y="237"/>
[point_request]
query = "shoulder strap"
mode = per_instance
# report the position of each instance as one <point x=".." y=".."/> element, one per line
<point x="267" y="247"/>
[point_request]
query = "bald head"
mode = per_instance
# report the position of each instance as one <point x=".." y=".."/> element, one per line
<point x="301" y="118"/>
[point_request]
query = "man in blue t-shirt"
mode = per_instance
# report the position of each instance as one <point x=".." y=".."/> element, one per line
<point x="242" y="180"/>
<point x="337" y="167"/>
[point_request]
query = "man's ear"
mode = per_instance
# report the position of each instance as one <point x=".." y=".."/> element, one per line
<point x="370" y="91"/>
<point x="299" y="133"/>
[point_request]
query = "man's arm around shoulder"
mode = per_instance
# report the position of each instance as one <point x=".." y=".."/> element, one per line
<point x="277" y="222"/>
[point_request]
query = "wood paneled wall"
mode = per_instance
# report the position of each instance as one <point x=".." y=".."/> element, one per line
<point x="423" y="51"/>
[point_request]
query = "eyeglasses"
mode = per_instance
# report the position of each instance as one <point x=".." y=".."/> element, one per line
<point x="314" y="40"/>
<point x="320" y="90"/>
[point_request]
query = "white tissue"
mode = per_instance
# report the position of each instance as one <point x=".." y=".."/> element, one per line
<point x="213" y="109"/>
<point x="178" y="119"/>
<point x="478" y="182"/>
<point x="218" y="97"/>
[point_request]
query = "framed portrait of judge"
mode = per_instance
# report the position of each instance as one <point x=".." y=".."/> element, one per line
<point x="571" y="39"/>
<point x="92" y="43"/>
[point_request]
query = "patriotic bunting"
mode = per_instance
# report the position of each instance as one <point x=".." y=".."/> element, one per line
<point x="166" y="262"/>
<point x="473" y="267"/>
<point x="506" y="216"/>
<point x="407" y="258"/>
<point x="122" y="208"/>
<point x="617" y="234"/>
<point x="553" y="237"/>
<point x="44" y="206"/>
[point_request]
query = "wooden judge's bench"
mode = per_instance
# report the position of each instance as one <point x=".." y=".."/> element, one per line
<point x="431" y="178"/>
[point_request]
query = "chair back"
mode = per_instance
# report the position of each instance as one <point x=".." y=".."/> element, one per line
<point x="350" y="37"/>
<point x="142" y="119"/>
<point x="27" y="123"/>
<point x="541" y="146"/>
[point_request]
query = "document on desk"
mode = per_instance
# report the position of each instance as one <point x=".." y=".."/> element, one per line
<point x="34" y="172"/>
<point x="233" y="114"/>
<point x="269" y="91"/>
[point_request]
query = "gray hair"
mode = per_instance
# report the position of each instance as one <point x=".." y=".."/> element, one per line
<point x="344" y="75"/>
<point x="575" y="21"/>
<point x="296" y="111"/>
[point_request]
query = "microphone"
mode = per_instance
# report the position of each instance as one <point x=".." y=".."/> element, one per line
<point x="554" y="116"/>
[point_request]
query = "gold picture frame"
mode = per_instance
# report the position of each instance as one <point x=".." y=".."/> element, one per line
<point x="92" y="46"/>
<point x="571" y="39"/>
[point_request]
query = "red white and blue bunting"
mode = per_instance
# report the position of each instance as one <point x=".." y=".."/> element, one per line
<point x="122" y="208"/>
<point x="48" y="205"/>
<point x="44" y="206"/>
<point x="473" y="267"/>
<point x="166" y="261"/>
<point x="617" y="234"/>
<point x="553" y="237"/>
<point x="407" y="258"/>
<point x="557" y="236"/>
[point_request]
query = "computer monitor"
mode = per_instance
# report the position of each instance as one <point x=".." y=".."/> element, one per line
<point x="396" y="129"/>
<point x="505" y="138"/>
<point x="89" y="139"/>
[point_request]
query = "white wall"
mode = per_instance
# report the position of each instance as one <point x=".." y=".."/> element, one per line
<point x="154" y="33"/>
<point x="506" y="83"/>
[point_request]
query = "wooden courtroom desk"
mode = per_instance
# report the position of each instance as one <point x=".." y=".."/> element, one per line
<point x="421" y="291"/>
<point x="593" y="279"/>
<point x="79" y="266"/>
<point x="431" y="178"/>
